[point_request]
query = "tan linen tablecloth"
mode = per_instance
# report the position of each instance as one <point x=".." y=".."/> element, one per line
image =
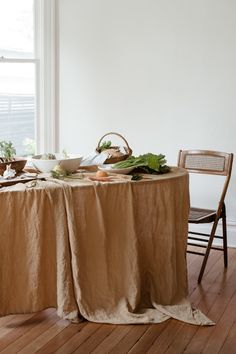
<point x="110" y="252"/>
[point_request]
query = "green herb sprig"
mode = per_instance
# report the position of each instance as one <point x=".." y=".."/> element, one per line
<point x="105" y="145"/>
<point x="59" y="174"/>
<point x="7" y="151"/>
<point x="62" y="175"/>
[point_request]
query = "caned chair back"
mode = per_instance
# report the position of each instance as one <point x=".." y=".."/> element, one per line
<point x="208" y="162"/>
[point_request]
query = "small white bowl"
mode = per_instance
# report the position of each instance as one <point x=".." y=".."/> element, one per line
<point x="70" y="164"/>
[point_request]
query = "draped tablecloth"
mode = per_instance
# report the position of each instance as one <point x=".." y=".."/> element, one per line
<point x="112" y="252"/>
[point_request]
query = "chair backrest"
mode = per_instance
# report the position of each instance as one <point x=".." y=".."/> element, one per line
<point x="208" y="162"/>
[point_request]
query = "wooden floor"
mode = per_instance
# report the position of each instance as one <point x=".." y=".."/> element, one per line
<point x="45" y="332"/>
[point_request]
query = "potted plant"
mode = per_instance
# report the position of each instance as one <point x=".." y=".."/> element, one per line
<point x="7" y="157"/>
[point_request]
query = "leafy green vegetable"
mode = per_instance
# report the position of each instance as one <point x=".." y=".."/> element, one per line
<point x="149" y="163"/>
<point x="105" y="145"/>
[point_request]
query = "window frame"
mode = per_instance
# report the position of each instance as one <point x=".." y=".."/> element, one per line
<point x="46" y="23"/>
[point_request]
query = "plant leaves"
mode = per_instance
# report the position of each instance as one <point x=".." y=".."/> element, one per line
<point x="149" y="162"/>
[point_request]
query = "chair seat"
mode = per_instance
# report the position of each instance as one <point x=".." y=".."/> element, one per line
<point x="198" y="215"/>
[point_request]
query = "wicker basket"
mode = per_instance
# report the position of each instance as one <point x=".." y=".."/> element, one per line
<point x="114" y="153"/>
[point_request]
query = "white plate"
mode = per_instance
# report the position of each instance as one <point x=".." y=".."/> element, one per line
<point x="109" y="168"/>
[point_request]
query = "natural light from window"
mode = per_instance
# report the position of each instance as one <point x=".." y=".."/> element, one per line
<point x="17" y="74"/>
<point x="17" y="28"/>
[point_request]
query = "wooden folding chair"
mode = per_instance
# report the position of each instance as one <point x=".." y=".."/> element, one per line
<point x="211" y="163"/>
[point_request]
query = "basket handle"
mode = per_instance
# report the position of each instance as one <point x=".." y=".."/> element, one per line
<point x="127" y="145"/>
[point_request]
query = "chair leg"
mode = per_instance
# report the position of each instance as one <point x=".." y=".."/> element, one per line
<point x="213" y="230"/>
<point x="224" y="229"/>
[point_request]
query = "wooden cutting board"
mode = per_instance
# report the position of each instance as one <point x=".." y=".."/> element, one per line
<point x="21" y="178"/>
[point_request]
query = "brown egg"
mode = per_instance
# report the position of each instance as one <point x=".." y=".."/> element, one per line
<point x="101" y="174"/>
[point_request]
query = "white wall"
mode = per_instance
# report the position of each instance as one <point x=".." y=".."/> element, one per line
<point x="160" y="72"/>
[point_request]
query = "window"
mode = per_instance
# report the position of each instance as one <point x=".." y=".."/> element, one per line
<point x="28" y="75"/>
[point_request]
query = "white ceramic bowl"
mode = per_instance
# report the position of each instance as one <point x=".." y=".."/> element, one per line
<point x="70" y="164"/>
<point x="109" y="168"/>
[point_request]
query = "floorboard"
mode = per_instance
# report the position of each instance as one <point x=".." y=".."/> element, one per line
<point x="45" y="332"/>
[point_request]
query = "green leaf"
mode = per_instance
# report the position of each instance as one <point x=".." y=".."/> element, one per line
<point x="105" y="145"/>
